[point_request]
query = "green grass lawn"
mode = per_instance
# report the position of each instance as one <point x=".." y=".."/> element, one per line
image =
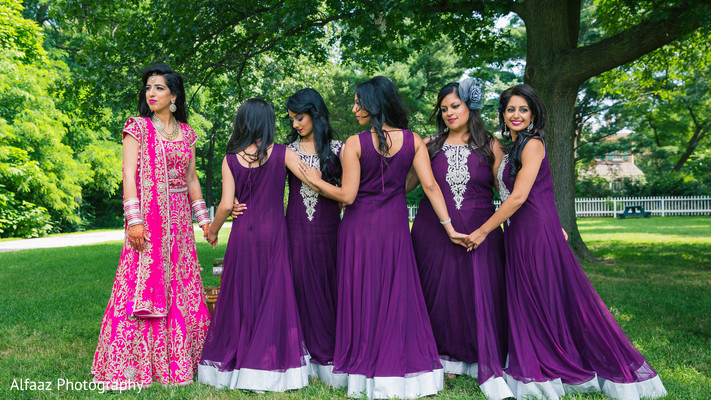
<point x="655" y="276"/>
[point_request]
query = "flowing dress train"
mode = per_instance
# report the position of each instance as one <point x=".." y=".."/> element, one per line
<point x="563" y="338"/>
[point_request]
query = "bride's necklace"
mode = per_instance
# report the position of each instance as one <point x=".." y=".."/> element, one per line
<point x="161" y="128"/>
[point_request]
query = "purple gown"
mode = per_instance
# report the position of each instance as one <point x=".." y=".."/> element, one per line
<point x="562" y="337"/>
<point x="312" y="222"/>
<point x="384" y="340"/>
<point x="464" y="291"/>
<point x="255" y="340"/>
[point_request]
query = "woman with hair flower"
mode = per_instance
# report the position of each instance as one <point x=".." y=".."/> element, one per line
<point x="464" y="291"/>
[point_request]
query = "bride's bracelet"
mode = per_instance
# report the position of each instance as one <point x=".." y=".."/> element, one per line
<point x="132" y="212"/>
<point x="200" y="212"/>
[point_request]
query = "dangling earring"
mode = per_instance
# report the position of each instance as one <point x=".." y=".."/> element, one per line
<point x="173" y="108"/>
<point x="529" y="127"/>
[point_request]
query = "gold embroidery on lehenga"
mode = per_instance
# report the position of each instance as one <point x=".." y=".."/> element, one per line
<point x="166" y="349"/>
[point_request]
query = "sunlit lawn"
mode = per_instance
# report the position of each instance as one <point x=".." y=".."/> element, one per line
<point x="655" y="276"/>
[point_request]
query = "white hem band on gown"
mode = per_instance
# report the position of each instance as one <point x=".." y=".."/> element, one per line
<point x="495" y="388"/>
<point x="254" y="379"/>
<point x="554" y="389"/>
<point x="407" y="387"/>
<point x="325" y="374"/>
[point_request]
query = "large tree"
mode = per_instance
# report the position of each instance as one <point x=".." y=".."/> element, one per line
<point x="559" y="56"/>
<point x="558" y="61"/>
<point x="208" y="38"/>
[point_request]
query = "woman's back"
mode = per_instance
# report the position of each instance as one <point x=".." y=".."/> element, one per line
<point x="382" y="178"/>
<point x="262" y="187"/>
<point x="384" y="340"/>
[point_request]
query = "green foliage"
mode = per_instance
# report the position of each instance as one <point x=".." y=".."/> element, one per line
<point x="20" y="218"/>
<point x="593" y="187"/>
<point x="19" y="37"/>
<point x="414" y="197"/>
<point x="229" y="51"/>
<point x="666" y="185"/>
<point x="664" y="98"/>
<point x="35" y="164"/>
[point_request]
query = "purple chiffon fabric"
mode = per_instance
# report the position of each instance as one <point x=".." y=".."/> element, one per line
<point x="312" y="223"/>
<point x="383" y="329"/>
<point x="464" y="291"/>
<point x="256" y="324"/>
<point x="559" y="326"/>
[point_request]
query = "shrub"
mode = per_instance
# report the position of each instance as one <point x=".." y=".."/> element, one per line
<point x="22" y="218"/>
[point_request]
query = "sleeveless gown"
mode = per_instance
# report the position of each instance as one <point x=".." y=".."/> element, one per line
<point x="255" y="340"/>
<point x="312" y="222"/>
<point x="384" y="340"/>
<point x="562" y="337"/>
<point x="464" y="291"/>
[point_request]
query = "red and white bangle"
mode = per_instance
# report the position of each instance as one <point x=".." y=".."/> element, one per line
<point x="132" y="212"/>
<point x="200" y="212"/>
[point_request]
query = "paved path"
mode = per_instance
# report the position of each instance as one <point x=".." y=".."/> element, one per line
<point x="72" y="239"/>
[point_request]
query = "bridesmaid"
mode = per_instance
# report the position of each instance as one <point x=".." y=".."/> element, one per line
<point x="384" y="340"/>
<point x="312" y="222"/>
<point x="255" y="340"/>
<point x="562" y="337"/>
<point x="464" y="291"/>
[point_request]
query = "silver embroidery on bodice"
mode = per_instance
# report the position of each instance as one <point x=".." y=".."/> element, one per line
<point x="457" y="171"/>
<point x="503" y="190"/>
<point x="308" y="196"/>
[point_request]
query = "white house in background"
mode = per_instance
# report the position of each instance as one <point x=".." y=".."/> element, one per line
<point x="615" y="164"/>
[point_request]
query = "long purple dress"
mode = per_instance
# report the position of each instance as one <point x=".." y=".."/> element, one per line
<point x="312" y="222"/>
<point x="255" y="340"/>
<point x="384" y="340"/>
<point x="464" y="291"/>
<point x="562" y="337"/>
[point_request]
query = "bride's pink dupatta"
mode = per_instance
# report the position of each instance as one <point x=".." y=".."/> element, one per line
<point x="147" y="287"/>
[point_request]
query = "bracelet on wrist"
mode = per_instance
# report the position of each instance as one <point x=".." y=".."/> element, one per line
<point x="200" y="212"/>
<point x="132" y="212"/>
<point x="449" y="221"/>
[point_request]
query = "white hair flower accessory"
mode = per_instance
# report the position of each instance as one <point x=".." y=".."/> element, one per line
<point x="471" y="93"/>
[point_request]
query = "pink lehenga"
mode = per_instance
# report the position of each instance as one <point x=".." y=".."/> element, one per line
<point x="156" y="320"/>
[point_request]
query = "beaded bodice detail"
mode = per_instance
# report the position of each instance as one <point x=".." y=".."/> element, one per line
<point x="308" y="196"/>
<point x="177" y="157"/>
<point x="503" y="190"/>
<point x="457" y="171"/>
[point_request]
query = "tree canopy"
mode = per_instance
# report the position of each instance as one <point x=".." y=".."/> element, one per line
<point x="231" y="50"/>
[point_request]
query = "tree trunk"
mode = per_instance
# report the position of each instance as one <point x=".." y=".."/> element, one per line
<point x="551" y="34"/>
<point x="560" y="142"/>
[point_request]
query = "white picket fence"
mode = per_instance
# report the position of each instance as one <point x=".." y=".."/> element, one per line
<point x="661" y="206"/>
